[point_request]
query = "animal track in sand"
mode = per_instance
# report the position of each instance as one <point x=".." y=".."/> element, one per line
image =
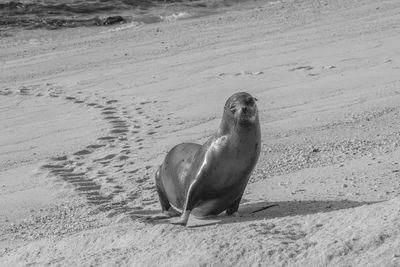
<point x="89" y="172"/>
<point x="108" y="112"/>
<point x="75" y="171"/>
<point x="304" y="68"/>
<point x="84" y="186"/>
<point x="118" y="121"/>
<point x="95" y="146"/>
<point x="82" y="152"/>
<point x="109" y="108"/>
<point x="62" y="170"/>
<point x="78" y="180"/>
<point x="59" y="158"/>
<point x="5" y="91"/>
<point x="253" y="73"/>
<point x="111" y="118"/>
<point x="123" y="157"/>
<point x="120" y="126"/>
<point x="89" y="188"/>
<point x="106" y="157"/>
<point x="107" y="138"/>
<point x="52" y="166"/>
<point x="119" y="131"/>
<point x="141" y="180"/>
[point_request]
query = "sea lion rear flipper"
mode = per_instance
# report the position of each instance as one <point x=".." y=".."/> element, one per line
<point x="233" y="209"/>
<point x="165" y="206"/>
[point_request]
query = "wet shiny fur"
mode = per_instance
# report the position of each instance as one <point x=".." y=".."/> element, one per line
<point x="210" y="178"/>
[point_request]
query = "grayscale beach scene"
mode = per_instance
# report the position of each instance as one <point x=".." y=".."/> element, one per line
<point x="199" y="133"/>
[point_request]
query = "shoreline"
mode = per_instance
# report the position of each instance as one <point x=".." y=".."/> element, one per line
<point x="17" y="16"/>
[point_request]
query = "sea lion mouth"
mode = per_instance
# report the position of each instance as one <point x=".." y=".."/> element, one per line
<point x="247" y="120"/>
<point x="246" y="117"/>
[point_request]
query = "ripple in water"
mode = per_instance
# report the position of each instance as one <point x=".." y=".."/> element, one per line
<point x="56" y="14"/>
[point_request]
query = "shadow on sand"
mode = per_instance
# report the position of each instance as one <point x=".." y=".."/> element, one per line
<point x="264" y="210"/>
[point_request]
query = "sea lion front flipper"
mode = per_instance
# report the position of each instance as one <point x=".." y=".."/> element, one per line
<point x="189" y="204"/>
<point x="196" y="187"/>
<point x="191" y="198"/>
<point x="163" y="215"/>
<point x="183" y="219"/>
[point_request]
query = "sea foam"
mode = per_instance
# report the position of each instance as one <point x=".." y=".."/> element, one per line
<point x="176" y="16"/>
<point x="123" y="27"/>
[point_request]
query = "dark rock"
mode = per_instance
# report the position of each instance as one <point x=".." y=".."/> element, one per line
<point x="112" y="20"/>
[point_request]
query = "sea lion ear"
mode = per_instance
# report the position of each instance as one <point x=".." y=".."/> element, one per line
<point x="255" y="99"/>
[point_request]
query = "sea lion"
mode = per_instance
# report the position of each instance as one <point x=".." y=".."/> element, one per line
<point x="210" y="178"/>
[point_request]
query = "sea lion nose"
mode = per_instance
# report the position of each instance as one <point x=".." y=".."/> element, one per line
<point x="244" y="110"/>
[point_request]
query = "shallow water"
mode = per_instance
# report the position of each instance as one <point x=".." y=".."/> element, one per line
<point x="55" y="14"/>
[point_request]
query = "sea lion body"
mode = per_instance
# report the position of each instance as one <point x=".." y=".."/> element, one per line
<point x="210" y="178"/>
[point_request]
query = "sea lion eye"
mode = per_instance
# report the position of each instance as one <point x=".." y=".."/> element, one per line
<point x="233" y="108"/>
<point x="250" y="101"/>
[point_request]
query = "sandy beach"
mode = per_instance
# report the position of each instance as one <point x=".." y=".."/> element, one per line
<point x="88" y="114"/>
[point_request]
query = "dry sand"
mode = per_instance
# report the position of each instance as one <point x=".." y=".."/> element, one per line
<point x="88" y="114"/>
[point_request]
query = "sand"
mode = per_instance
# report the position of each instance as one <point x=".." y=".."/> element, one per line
<point x="88" y="114"/>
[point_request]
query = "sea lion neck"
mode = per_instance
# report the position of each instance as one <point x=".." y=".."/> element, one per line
<point x="227" y="124"/>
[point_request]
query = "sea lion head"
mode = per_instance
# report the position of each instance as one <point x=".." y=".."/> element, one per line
<point x="241" y="109"/>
